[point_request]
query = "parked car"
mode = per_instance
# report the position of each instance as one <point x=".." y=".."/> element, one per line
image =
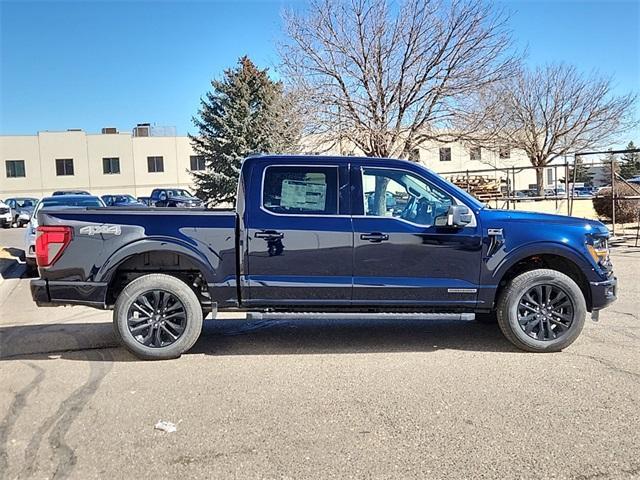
<point x="70" y="192"/>
<point x="5" y="215"/>
<point x="21" y="209"/>
<point x="121" y="200"/>
<point x="145" y="200"/>
<point x="528" y="193"/>
<point x="635" y="180"/>
<point x="304" y="239"/>
<point x="174" y="197"/>
<point x="53" y="203"/>
<point x="555" y="192"/>
<point x="583" y="192"/>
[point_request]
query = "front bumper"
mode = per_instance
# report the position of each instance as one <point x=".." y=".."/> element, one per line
<point x="603" y="293"/>
<point x="48" y="293"/>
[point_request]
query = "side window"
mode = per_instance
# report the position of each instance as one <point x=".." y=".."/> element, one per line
<point x="295" y="190"/>
<point x="401" y="194"/>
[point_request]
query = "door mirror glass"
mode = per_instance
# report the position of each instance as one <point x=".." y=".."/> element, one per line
<point x="458" y="216"/>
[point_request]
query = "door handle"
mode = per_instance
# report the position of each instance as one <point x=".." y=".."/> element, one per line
<point x="269" y="235"/>
<point x="375" y="237"/>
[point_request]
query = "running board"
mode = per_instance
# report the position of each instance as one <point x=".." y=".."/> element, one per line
<point x="256" y="316"/>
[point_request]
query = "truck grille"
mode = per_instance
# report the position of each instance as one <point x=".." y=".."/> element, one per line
<point x="4" y="210"/>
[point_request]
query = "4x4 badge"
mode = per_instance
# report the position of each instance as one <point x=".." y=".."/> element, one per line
<point x="101" y="230"/>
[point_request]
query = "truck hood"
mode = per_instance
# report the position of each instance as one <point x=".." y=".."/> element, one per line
<point x="517" y="216"/>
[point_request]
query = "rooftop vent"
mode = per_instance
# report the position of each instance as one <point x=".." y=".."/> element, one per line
<point x="148" y="130"/>
<point x="142" y="130"/>
<point x="109" y="130"/>
<point x="74" y="129"/>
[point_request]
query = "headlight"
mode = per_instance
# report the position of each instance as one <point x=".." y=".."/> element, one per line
<point x="599" y="249"/>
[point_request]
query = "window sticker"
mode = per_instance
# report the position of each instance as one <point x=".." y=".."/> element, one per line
<point x="303" y="195"/>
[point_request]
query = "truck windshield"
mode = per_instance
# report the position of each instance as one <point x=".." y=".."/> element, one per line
<point x="178" y="193"/>
<point x="66" y="202"/>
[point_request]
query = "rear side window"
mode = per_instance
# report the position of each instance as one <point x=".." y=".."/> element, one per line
<point x="299" y="190"/>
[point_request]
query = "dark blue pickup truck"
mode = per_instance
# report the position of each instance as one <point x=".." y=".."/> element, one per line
<point x="327" y="234"/>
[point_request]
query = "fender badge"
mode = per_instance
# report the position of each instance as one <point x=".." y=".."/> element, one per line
<point x="101" y="230"/>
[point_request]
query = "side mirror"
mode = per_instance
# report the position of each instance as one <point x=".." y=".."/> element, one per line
<point x="458" y="216"/>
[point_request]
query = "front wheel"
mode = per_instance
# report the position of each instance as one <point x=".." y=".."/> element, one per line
<point x="541" y="311"/>
<point x="157" y="317"/>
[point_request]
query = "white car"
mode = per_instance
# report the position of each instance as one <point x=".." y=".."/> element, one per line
<point x="59" y="201"/>
<point x="5" y="215"/>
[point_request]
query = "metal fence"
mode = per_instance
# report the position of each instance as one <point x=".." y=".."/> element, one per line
<point x="564" y="175"/>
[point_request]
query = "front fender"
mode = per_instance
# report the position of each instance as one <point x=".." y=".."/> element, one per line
<point x="509" y="259"/>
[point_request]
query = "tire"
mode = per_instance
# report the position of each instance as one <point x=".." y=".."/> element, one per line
<point x="510" y="312"/>
<point x="125" y="319"/>
<point x="488" y="318"/>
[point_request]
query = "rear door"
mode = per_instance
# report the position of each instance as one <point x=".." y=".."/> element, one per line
<point x="299" y="236"/>
<point x="400" y="257"/>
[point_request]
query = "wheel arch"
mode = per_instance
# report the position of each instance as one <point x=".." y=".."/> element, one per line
<point x="552" y="256"/>
<point x="153" y="256"/>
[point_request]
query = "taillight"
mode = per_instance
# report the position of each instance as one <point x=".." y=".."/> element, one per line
<point x="50" y="243"/>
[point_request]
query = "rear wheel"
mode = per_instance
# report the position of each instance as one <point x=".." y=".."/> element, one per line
<point x="157" y="317"/>
<point x="541" y="311"/>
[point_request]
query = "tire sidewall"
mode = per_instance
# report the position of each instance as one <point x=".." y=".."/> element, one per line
<point x="556" y="279"/>
<point x="165" y="283"/>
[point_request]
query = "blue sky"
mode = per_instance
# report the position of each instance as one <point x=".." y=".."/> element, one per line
<point x="99" y="63"/>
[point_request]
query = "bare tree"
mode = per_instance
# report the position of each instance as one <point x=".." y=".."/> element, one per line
<point x="387" y="76"/>
<point x="552" y="111"/>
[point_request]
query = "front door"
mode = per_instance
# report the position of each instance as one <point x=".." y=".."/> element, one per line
<point x="300" y="238"/>
<point x="400" y="257"/>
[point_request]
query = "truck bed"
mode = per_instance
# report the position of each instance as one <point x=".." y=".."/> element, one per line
<point x="106" y="240"/>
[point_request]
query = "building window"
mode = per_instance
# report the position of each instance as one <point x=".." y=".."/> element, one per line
<point x="64" y="166"/>
<point x="155" y="164"/>
<point x="504" y="153"/>
<point x="15" y="168"/>
<point x="110" y="165"/>
<point x="197" y="162"/>
<point x="445" y="154"/>
<point x="475" y="153"/>
<point x="550" y="176"/>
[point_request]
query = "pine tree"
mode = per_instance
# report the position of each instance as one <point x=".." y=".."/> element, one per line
<point x="608" y="161"/>
<point x="245" y="113"/>
<point x="582" y="173"/>
<point x="630" y="162"/>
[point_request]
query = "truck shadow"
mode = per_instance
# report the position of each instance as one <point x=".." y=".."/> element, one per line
<point x="265" y="337"/>
<point x="11" y="263"/>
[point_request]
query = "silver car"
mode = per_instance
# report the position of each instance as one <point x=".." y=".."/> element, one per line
<point x="21" y="209"/>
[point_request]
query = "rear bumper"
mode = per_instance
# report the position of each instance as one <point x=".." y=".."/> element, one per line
<point x="47" y="293"/>
<point x="603" y="293"/>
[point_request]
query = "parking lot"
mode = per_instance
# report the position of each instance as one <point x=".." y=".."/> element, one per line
<point x="317" y="398"/>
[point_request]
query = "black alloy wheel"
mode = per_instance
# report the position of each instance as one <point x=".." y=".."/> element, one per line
<point x="545" y="312"/>
<point x="157" y="318"/>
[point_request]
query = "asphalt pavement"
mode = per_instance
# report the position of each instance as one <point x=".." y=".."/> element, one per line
<point x="317" y="398"/>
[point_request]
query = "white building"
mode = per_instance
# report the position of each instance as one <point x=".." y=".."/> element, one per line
<point x="150" y="157"/>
